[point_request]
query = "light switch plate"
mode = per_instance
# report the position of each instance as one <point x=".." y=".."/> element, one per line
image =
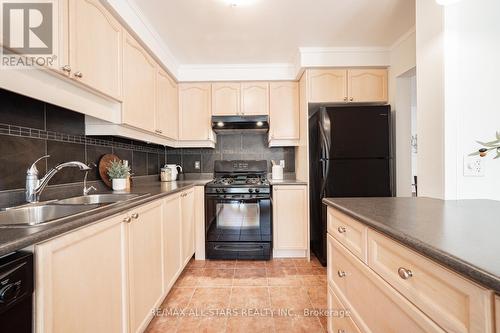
<point x="473" y="166"/>
<point x="197" y="165"/>
<point x="282" y="163"/>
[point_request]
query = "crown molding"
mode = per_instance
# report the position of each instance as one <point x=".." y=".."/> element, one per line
<point x="237" y="72"/>
<point x="344" y="56"/>
<point x="403" y="37"/>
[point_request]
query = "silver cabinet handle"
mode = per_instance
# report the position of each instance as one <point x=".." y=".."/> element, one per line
<point x="340" y="330"/>
<point x="351" y="99"/>
<point x="78" y="75"/>
<point x="66" y="68"/>
<point x="404" y="273"/>
<point x="341" y="274"/>
<point x="127" y="219"/>
<point x="135" y="216"/>
<point x="345" y="99"/>
<point x="341" y="229"/>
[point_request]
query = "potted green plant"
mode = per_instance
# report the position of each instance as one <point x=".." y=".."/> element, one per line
<point x="489" y="147"/>
<point x="118" y="172"/>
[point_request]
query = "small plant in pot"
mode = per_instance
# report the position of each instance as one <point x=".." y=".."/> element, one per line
<point x="118" y="172"/>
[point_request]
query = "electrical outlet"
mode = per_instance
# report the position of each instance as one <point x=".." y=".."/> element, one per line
<point x="197" y="165"/>
<point x="473" y="166"/>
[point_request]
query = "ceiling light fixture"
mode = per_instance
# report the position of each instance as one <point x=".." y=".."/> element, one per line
<point x="446" y="2"/>
<point x="237" y="3"/>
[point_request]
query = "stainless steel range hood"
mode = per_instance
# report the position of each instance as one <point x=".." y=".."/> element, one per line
<point x="240" y="123"/>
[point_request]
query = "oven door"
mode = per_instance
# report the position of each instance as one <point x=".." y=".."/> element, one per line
<point x="238" y="227"/>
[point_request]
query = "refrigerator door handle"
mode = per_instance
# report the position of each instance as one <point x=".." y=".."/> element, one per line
<point x="325" y="166"/>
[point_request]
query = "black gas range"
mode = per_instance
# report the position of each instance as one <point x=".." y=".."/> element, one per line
<point x="238" y="211"/>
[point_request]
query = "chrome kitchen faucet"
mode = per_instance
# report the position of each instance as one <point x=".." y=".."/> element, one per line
<point x="35" y="186"/>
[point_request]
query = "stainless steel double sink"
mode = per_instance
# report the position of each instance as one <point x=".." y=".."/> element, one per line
<point x="42" y="213"/>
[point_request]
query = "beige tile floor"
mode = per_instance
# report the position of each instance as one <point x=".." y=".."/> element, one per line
<point x="214" y="295"/>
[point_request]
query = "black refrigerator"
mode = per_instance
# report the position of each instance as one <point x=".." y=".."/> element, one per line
<point x="349" y="156"/>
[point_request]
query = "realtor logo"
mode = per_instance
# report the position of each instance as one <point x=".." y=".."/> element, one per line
<point x="27" y="28"/>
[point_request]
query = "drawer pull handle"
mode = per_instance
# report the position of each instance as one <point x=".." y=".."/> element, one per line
<point x="135" y="216"/>
<point x="341" y="274"/>
<point x="341" y="229"/>
<point x="404" y="273"/>
<point x="127" y="219"/>
<point x="340" y="330"/>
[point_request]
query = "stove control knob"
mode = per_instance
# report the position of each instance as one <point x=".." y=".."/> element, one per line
<point x="250" y="190"/>
<point x="257" y="190"/>
<point x="217" y="190"/>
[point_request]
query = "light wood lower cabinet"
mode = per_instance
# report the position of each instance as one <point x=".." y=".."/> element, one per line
<point x="348" y="232"/>
<point x="375" y="306"/>
<point x="395" y="289"/>
<point x="81" y="279"/>
<point x="497" y="313"/>
<point x="290" y="221"/>
<point x="187" y="225"/>
<point x="454" y="303"/>
<point x="172" y="240"/>
<point x="145" y="263"/>
<point x="340" y="319"/>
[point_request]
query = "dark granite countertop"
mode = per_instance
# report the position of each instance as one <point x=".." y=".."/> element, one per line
<point x="287" y="182"/>
<point x="463" y="235"/>
<point x="16" y="238"/>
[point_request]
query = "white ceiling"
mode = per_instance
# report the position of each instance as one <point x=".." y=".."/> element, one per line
<point x="271" y="31"/>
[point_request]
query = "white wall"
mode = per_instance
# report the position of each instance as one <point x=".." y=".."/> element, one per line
<point x="472" y="53"/>
<point x="430" y="98"/>
<point x="403" y="61"/>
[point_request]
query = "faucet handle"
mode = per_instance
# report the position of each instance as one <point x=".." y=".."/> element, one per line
<point x="32" y="169"/>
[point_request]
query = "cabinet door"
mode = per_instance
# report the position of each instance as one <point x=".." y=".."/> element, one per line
<point x="187" y="227"/>
<point x="225" y="99"/>
<point x="95" y="40"/>
<point x="284" y="114"/>
<point x="80" y="280"/>
<point x="139" y="76"/>
<point x="367" y="85"/>
<point x="167" y="106"/>
<point x="254" y="98"/>
<point x="290" y="227"/>
<point x="194" y="111"/>
<point x="172" y="250"/>
<point x="327" y="85"/>
<point x="145" y="262"/>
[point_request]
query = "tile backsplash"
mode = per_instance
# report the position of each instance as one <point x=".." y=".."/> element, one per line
<point x="30" y="128"/>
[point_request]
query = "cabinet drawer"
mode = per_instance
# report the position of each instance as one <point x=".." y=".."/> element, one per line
<point x="339" y="319"/>
<point x="374" y="305"/>
<point x="451" y="301"/>
<point x="349" y="232"/>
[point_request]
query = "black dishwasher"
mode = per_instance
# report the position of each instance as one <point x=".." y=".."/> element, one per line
<point x="16" y="292"/>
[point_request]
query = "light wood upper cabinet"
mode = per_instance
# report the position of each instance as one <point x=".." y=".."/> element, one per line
<point x="172" y="246"/>
<point x="290" y="226"/>
<point x="225" y="99"/>
<point x="188" y="225"/>
<point x="167" y="106"/>
<point x="254" y="98"/>
<point x="145" y="264"/>
<point x="195" y="111"/>
<point x="367" y="85"/>
<point x="284" y="113"/>
<point x="80" y="281"/>
<point x="95" y="47"/>
<point x="139" y="86"/>
<point x="327" y="85"/>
